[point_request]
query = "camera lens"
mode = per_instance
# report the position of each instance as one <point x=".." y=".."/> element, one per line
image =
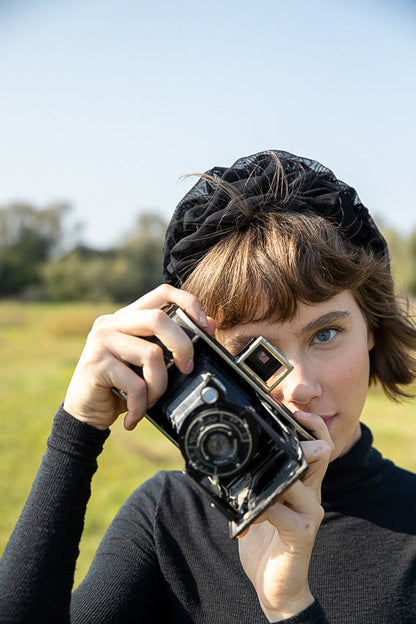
<point x="218" y="442"/>
<point x="218" y="445"/>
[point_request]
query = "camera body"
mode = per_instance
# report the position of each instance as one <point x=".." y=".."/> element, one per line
<point x="240" y="444"/>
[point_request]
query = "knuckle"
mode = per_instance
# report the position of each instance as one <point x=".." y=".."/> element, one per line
<point x="101" y="322"/>
<point x="137" y="389"/>
<point x="170" y="294"/>
<point x="164" y="290"/>
<point x="194" y="305"/>
<point x="311" y="523"/>
<point x="193" y="299"/>
<point x="320" y="513"/>
<point x="157" y="318"/>
<point x="328" y="447"/>
<point x="323" y="448"/>
<point x="154" y="353"/>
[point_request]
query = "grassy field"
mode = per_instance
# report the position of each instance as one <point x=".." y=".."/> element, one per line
<point x="39" y="346"/>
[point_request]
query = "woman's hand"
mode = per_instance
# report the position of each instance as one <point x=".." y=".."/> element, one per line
<point x="116" y="341"/>
<point x="276" y="551"/>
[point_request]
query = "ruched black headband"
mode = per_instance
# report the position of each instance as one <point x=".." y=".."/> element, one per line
<point x="212" y="207"/>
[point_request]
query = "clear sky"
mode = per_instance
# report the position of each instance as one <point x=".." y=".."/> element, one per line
<point x="106" y="103"/>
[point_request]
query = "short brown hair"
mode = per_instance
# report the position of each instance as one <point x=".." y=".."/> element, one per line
<point x="284" y="258"/>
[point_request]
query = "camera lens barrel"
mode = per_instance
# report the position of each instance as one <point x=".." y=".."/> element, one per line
<point x="218" y="442"/>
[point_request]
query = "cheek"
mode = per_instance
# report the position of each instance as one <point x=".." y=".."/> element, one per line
<point x="348" y="379"/>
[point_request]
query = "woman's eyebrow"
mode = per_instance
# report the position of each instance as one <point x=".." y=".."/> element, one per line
<point x="325" y="320"/>
<point x="238" y="342"/>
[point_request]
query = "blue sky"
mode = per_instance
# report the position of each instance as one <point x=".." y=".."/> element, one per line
<point x="105" y="104"/>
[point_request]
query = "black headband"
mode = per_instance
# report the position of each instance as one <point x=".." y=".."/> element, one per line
<point x="208" y="211"/>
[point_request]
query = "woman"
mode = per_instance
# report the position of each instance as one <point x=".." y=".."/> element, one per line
<point x="274" y="246"/>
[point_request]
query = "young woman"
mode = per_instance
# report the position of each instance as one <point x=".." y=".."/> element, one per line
<point x="273" y="246"/>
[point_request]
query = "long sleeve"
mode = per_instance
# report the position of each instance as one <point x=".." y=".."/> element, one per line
<point x="167" y="557"/>
<point x="37" y="566"/>
<point x="314" y="614"/>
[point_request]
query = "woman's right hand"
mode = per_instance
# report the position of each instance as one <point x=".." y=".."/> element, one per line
<point x="117" y="340"/>
<point x="275" y="552"/>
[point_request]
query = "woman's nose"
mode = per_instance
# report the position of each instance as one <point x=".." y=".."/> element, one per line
<point x="299" y="388"/>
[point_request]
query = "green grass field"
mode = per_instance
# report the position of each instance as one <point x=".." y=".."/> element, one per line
<point x="39" y="346"/>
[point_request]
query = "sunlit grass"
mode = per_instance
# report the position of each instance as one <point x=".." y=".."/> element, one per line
<point x="394" y="427"/>
<point x="40" y="345"/>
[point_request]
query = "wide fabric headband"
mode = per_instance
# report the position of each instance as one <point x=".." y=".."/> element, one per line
<point x="212" y="209"/>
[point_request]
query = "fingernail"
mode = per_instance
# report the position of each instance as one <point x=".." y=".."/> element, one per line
<point x="203" y="319"/>
<point x="189" y="366"/>
<point x="243" y="533"/>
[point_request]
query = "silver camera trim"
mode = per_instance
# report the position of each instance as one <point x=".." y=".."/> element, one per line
<point x="241" y="358"/>
<point x="243" y="370"/>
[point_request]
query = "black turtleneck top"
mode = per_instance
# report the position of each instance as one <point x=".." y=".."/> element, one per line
<point x="167" y="556"/>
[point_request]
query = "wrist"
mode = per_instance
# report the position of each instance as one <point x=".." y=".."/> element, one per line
<point x="95" y="413"/>
<point x="287" y="608"/>
<point x="78" y="415"/>
<point x="69" y="430"/>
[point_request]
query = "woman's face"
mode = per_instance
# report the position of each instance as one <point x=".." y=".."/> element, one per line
<point x="328" y="344"/>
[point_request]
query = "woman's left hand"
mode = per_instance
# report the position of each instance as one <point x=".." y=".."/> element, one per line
<point x="275" y="552"/>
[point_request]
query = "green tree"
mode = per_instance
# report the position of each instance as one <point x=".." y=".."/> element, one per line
<point x="412" y="262"/>
<point x="28" y="237"/>
<point x="403" y="260"/>
<point x="121" y="274"/>
<point x="143" y="249"/>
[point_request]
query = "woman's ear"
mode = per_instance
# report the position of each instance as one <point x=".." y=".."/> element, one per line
<point x="370" y="340"/>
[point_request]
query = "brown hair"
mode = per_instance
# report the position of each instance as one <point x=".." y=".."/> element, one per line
<point x="283" y="258"/>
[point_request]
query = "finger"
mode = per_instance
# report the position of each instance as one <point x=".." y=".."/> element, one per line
<point x="90" y="397"/>
<point x="143" y="354"/>
<point x="153" y="371"/>
<point x="168" y="294"/>
<point x="295" y="499"/>
<point x="285" y="523"/>
<point x="313" y="423"/>
<point x="318" y="455"/>
<point x="211" y="327"/>
<point x="296" y="511"/>
<point x="136" y="390"/>
<point x="142" y="324"/>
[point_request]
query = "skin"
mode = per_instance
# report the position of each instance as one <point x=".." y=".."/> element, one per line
<point x="115" y="341"/>
<point x="328" y="343"/>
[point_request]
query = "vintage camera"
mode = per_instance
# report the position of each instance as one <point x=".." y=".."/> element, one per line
<point x="240" y="444"/>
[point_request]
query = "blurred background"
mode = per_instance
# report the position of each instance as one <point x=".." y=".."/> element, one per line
<point x="105" y="105"/>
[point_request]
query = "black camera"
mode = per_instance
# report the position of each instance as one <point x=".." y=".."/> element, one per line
<point x="240" y="444"/>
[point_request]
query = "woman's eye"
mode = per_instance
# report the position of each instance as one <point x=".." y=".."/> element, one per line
<point x="325" y="335"/>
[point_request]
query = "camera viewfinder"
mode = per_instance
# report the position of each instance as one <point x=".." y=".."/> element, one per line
<point x="263" y="362"/>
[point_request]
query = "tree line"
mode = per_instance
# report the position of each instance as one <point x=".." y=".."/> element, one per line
<point x="42" y="259"/>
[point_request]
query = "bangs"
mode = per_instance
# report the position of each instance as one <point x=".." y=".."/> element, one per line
<point x="277" y="263"/>
<point x="282" y="259"/>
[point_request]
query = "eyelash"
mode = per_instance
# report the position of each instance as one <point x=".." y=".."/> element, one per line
<point x="337" y="331"/>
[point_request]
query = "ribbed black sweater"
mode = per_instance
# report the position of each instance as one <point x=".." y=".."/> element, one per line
<point x="167" y="556"/>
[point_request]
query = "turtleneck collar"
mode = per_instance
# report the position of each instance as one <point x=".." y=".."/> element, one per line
<point x="361" y="467"/>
